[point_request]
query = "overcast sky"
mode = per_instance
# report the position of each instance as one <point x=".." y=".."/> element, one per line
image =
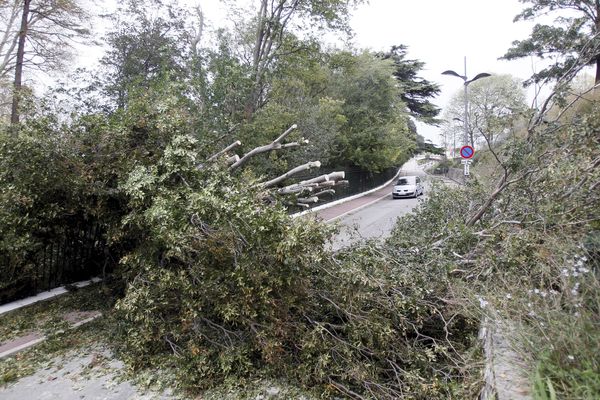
<point x="441" y="33"/>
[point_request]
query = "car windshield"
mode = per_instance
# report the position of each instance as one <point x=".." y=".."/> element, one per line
<point x="404" y="182"/>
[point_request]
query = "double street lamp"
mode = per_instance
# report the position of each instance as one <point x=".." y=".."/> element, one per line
<point x="466" y="84"/>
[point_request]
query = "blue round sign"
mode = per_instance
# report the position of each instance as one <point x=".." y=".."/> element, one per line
<point x="467" y="152"/>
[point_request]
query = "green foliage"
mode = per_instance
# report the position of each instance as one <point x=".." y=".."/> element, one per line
<point x="415" y="91"/>
<point x="144" y="47"/>
<point x="34" y="205"/>
<point x="222" y="286"/>
<point x="534" y="254"/>
<point x="376" y="135"/>
<point x="348" y="106"/>
<point x="571" y="39"/>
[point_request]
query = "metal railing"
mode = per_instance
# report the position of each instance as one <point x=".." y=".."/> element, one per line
<point x="359" y="181"/>
<point x="73" y="255"/>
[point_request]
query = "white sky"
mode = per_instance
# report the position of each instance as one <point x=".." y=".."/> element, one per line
<point x="438" y="32"/>
<point x="441" y="33"/>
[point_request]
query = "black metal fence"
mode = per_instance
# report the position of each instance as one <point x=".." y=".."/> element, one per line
<point x="73" y="255"/>
<point x="359" y="181"/>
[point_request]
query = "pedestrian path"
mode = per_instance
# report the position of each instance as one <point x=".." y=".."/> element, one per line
<point x="26" y="340"/>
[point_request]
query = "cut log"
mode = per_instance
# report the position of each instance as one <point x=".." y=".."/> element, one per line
<point x="306" y="200"/>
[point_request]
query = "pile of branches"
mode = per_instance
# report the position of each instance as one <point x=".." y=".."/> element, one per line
<point x="302" y="193"/>
<point x="223" y="286"/>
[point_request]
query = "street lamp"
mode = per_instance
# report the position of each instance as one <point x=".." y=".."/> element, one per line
<point x="466" y="83"/>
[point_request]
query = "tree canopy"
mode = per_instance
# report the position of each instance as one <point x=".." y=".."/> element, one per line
<point x="573" y="38"/>
<point x="416" y="92"/>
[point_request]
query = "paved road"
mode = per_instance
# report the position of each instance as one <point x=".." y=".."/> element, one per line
<point x="377" y="219"/>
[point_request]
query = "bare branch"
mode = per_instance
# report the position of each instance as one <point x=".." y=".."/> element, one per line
<point x="225" y="150"/>
<point x="275" y="145"/>
<point x="293" y="171"/>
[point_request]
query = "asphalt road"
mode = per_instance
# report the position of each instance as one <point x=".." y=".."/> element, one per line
<point x="378" y="219"/>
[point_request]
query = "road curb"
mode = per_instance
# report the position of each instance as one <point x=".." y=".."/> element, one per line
<point x="347" y="199"/>
<point x="43" y="296"/>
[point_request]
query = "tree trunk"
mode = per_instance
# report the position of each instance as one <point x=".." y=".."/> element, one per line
<point x="14" y="116"/>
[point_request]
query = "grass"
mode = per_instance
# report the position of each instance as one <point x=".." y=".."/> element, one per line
<point x="568" y="365"/>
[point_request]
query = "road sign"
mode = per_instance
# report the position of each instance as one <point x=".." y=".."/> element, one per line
<point x="467" y="152"/>
<point x="467" y="164"/>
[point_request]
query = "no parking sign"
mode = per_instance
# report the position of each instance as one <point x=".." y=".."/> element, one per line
<point x="467" y="152"/>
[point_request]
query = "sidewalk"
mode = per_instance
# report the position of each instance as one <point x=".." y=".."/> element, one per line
<point x="29" y="339"/>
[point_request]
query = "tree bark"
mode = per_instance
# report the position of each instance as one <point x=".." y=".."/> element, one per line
<point x="14" y="116"/>
<point x="275" y="145"/>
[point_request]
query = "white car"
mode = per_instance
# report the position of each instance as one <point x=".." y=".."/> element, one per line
<point x="407" y="186"/>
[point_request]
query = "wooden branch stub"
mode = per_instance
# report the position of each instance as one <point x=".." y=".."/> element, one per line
<point x="320" y="182"/>
<point x="333" y="176"/>
<point x="295" y="190"/>
<point x="225" y="150"/>
<point x="293" y="171"/>
<point x="306" y="200"/>
<point x="342" y="182"/>
<point x="328" y="191"/>
<point x="233" y="159"/>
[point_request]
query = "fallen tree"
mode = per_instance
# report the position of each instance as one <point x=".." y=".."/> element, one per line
<point x="222" y="286"/>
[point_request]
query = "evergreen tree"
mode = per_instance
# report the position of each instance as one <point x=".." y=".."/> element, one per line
<point x="416" y="91"/>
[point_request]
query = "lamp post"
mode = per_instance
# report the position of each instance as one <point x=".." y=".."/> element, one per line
<point x="454" y="138"/>
<point x="466" y="84"/>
